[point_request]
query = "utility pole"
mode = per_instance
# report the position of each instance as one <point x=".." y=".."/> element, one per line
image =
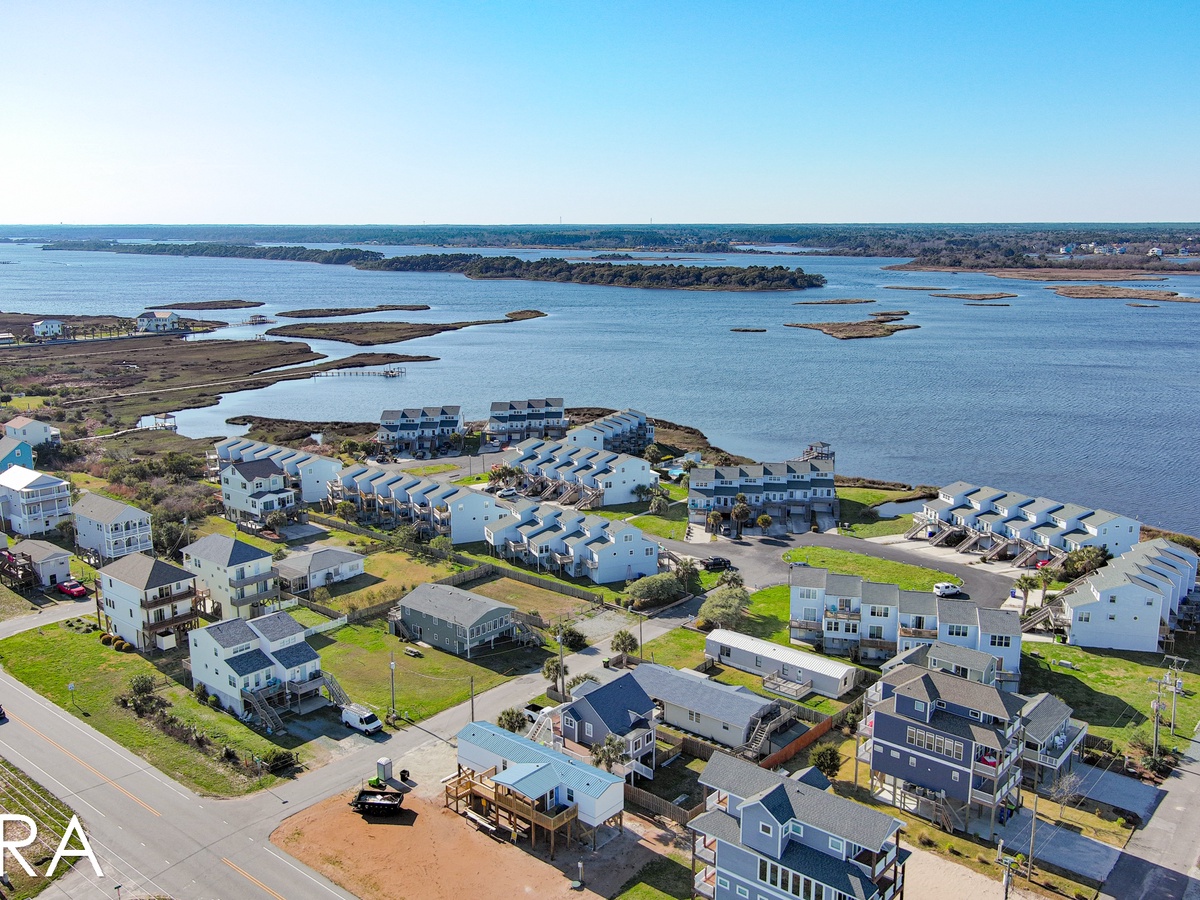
<point x="392" y="666"/>
<point x="1032" y="829"/>
<point x="1177" y="665"/>
<point x="1156" y="704"/>
<point x="472" y="698"/>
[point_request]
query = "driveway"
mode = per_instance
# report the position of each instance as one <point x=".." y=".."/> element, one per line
<point x="760" y="561"/>
<point x="1120" y="790"/>
<point x="1060" y="847"/>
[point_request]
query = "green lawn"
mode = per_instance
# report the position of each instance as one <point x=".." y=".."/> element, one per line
<point x="358" y="656"/>
<point x="856" y="509"/>
<point x="680" y="777"/>
<point x="479" y="550"/>
<point x="434" y="469"/>
<point x="1109" y="689"/>
<point x="13" y="604"/>
<point x="620" y="510"/>
<point x="387" y="575"/>
<point x="48" y="658"/>
<point x="529" y="598"/>
<point x="909" y="578"/>
<point x="664" y="878"/>
<point x="481" y="478"/>
<point x="20" y="795"/>
<point x="674" y="491"/>
<point x="221" y="525"/>
<point x="307" y="617"/>
<point x="672" y="525"/>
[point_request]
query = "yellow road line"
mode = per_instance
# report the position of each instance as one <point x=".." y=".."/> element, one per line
<point x="251" y="878"/>
<point x="91" y="769"/>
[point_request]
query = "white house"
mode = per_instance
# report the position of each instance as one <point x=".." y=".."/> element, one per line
<point x="785" y="670"/>
<point x="157" y="320"/>
<point x="31" y="431"/>
<point x="627" y="431"/>
<point x="1131" y="603"/>
<point x="308" y="474"/>
<point x="541" y="774"/>
<point x="302" y="572"/>
<point x="239" y="577"/>
<point x="579" y="474"/>
<point x="109" y="528"/>
<point x="47" y="328"/>
<point x="32" y="502"/>
<point x="51" y="563"/>
<point x="148" y="602"/>
<point x="264" y="663"/>
<point x="252" y="490"/>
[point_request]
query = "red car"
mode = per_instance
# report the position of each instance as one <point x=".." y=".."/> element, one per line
<point x="1042" y="563"/>
<point x="72" y="589"/>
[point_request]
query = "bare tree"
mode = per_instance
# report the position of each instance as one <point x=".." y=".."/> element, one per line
<point x="1065" y="787"/>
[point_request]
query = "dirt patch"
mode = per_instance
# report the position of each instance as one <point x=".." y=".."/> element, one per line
<point x="1116" y="292"/>
<point x="211" y="304"/>
<point x="351" y="310"/>
<point x="999" y="295"/>
<point x="830" y="302"/>
<point x="414" y="855"/>
<point x="368" y="334"/>
<point x="881" y="324"/>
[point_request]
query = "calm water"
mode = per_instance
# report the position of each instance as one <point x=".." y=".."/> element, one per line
<point x="1090" y="401"/>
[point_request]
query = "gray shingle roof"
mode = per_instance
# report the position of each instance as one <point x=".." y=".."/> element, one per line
<point x="844" y="585"/>
<point x="39" y="551"/>
<point x="918" y="603"/>
<point x="956" y="612"/>
<point x="1043" y="714"/>
<point x="999" y="621"/>
<point x="103" y="509"/>
<point x="622" y="705"/>
<point x="256" y="468"/>
<point x="726" y="703"/>
<point x="225" y="551"/>
<point x="144" y="572"/>
<point x="276" y="626"/>
<point x="807" y="576"/>
<point x="251" y="661"/>
<point x="954" y="655"/>
<point x="933" y="685"/>
<point x="452" y="604"/>
<point x="231" y="632"/>
<point x="315" y="561"/>
<point x="295" y="655"/>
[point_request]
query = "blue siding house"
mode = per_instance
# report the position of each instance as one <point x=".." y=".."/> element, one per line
<point x="14" y="452"/>
<point x="768" y="836"/>
<point x="620" y="707"/>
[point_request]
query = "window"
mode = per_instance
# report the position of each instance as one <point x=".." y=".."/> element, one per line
<point x="836" y="845"/>
<point x="1001" y="640"/>
<point x="693" y="716"/>
<point x="722" y="882"/>
<point x="1112" y="617"/>
<point x="1149" y="602"/>
<point x="956" y="630"/>
<point x="1085" y="617"/>
<point x="880" y="612"/>
<point x="726" y="652"/>
<point x="570" y="795"/>
<point x="919" y="705"/>
<point x="764" y="828"/>
<point x="232" y="681"/>
<point x="587" y="729"/>
<point x="1112" y="598"/>
<point x="758" y="662"/>
<point x="912" y="761"/>
<point x="742" y="892"/>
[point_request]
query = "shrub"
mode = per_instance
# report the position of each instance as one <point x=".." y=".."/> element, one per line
<point x="106" y="639"/>
<point x="827" y="760"/>
<point x="127" y="648"/>
<point x="655" y="590"/>
<point x="572" y="638"/>
<point x="141" y="685"/>
<point x="624" y="642"/>
<point x="213" y="701"/>
<point x="201" y="692"/>
<point x="983" y="858"/>
<point x="1141" y="740"/>
<point x="925" y="839"/>
<point x="951" y="849"/>
<point x="277" y="758"/>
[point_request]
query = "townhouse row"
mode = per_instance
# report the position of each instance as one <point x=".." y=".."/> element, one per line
<point x="627" y="431"/>
<point x="579" y="474"/>
<point x="1027" y="530"/>
<point x="417" y="430"/>
<point x="867" y="620"/>
<point x="305" y="474"/>
<point x="513" y="421"/>
<point x="790" y="492"/>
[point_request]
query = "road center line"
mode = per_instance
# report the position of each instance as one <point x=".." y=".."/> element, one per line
<point x="252" y="879"/>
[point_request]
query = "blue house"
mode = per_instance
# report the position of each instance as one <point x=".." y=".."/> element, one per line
<point x="621" y="707"/>
<point x="14" y="452"/>
<point x="768" y="836"/>
<point x="944" y="746"/>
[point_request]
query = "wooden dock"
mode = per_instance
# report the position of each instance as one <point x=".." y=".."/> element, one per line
<point x="390" y="372"/>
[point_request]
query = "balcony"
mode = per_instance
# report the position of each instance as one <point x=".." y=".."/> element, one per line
<point x="716" y="800"/>
<point x="875" y="863"/>
<point x="877" y="644"/>
<point x="866" y="751"/>
<point x="706" y="881"/>
<point x="1056" y="751"/>
<point x="987" y="798"/>
<point x="806" y="624"/>
<point x="852" y="615"/>
<point x="780" y="685"/>
<point x="591" y="563"/>
<point x="183" y="596"/>
<point x="268" y="596"/>
<point x="925" y="633"/>
<point x="706" y="848"/>
<point x="170" y="622"/>
<point x="254" y="579"/>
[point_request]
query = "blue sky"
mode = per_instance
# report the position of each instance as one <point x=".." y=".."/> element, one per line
<point x="514" y="112"/>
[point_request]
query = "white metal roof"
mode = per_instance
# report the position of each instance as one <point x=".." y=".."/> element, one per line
<point x="810" y="662"/>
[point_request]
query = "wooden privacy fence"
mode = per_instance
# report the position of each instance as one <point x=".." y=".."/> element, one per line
<point x="488" y="570"/>
<point x="660" y="807"/>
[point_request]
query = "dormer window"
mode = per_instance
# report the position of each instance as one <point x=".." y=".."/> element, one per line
<point x="919" y="705"/>
<point x="764" y="828"/>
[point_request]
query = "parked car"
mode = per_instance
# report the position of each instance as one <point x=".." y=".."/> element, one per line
<point x="72" y="589"/>
<point x="717" y="564"/>
<point x="945" y="589"/>
<point x="507" y="493"/>
<point x="1042" y="563"/>
<point x="361" y="719"/>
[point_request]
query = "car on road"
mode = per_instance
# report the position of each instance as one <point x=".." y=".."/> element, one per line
<point x="945" y="589"/>
<point x="72" y="589"/>
<point x="507" y="493"/>
<point x="717" y="564"/>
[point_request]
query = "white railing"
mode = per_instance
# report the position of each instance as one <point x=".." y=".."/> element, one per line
<point x="325" y="626"/>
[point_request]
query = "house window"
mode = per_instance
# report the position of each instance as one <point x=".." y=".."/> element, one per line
<point x="764" y="828"/>
<point x="693" y="716"/>
<point x="1001" y="640"/>
<point x="954" y="775"/>
<point x="837" y="845"/>
<point x="919" y="705"/>
<point x="758" y="662"/>
<point x="1085" y="617"/>
<point x="1112" y="617"/>
<point x="743" y="892"/>
<point x="587" y="729"/>
<point x="570" y="795"/>
<point x="880" y="612"/>
<point x="726" y="652"/>
<point x="1112" y="598"/>
<point x="956" y="630"/>
<point x="722" y="882"/>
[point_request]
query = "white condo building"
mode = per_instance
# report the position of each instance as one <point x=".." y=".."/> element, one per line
<point x="308" y="474"/>
<point x="111" y="529"/>
<point x="579" y="474"/>
<point x="32" y="502"/>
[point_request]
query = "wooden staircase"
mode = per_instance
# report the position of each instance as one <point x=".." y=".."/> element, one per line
<point x="336" y="693"/>
<point x="997" y="549"/>
<point x="265" y="713"/>
<point x="917" y="528"/>
<point x="1039" y="616"/>
<point x="590" y="498"/>
<point x="971" y="542"/>
<point x="944" y="535"/>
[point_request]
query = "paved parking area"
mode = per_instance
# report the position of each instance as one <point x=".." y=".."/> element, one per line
<point x="1120" y="790"/>
<point x="1058" y="846"/>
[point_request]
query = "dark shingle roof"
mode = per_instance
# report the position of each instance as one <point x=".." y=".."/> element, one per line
<point x="954" y="655"/>
<point x="102" y="509"/>
<point x="956" y="612"/>
<point x="1000" y="621"/>
<point x="295" y="655"/>
<point x="256" y="468"/>
<point x="276" y="626"/>
<point x="251" y="661"/>
<point x="918" y="603"/>
<point x="39" y="551"/>
<point x="726" y="703"/>
<point x="932" y="686"/>
<point x="621" y="705"/>
<point x="144" y="572"/>
<point x="1043" y="714"/>
<point x="224" y="550"/>
<point x="812" y="777"/>
<point x="231" y="632"/>
<point x="452" y="604"/>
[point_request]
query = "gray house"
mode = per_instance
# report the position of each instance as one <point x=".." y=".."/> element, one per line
<point x="719" y="712"/>
<point x="620" y="707"/>
<point x="453" y="620"/>
<point x="973" y="665"/>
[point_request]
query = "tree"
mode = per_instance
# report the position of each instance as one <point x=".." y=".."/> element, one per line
<point x="624" y="642"/>
<point x="723" y="607"/>
<point x="685" y="571"/>
<point x="1084" y="561"/>
<point x="322" y="596"/>
<point x="580" y="679"/>
<point x="656" y="590"/>
<point x="1045" y="578"/>
<point x="1065" y="786"/>
<point x="643" y="492"/>
<point x="714" y="521"/>
<point x="731" y="578"/>
<point x="553" y="671"/>
<point x="345" y="510"/>
<point x="740" y="513"/>
<point x="572" y="638"/>
<point x="66" y="531"/>
<point x="764" y="522"/>
<point x="276" y="520"/>
<point x="658" y="506"/>
<point x="827" y="760"/>
<point x="442" y="543"/>
<point x="687" y="465"/>
<point x="1025" y="584"/>
<point x="512" y="719"/>
<point x="609" y="752"/>
<point x="141" y="685"/>
<point x="653" y="454"/>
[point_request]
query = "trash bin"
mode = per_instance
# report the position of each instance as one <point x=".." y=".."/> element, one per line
<point x="383" y="768"/>
<point x="606" y="661"/>
<point x="404" y="775"/>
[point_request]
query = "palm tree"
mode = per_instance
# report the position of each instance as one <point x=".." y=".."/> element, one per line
<point x="609" y="752"/>
<point x="731" y="578"/>
<point x="685" y="571"/>
<point x="1045" y="577"/>
<point x="512" y="719"/>
<point x="764" y="522"/>
<point x="741" y="513"/>
<point x="714" y="521"/>
<point x="1025" y="584"/>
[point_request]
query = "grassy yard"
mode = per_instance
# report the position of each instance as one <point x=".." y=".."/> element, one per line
<point x="307" y="617"/>
<point x="13" y="604"/>
<point x="1108" y="689"/>
<point x="387" y="575"/>
<point x="358" y="656"/>
<point x="674" y="491"/>
<point x="679" y="778"/>
<point x="672" y="525"/>
<point x="621" y="510"/>
<point x="612" y="593"/>
<point x="20" y="795"/>
<point x="48" y="658"/>
<point x="221" y="525"/>
<point x="529" y="598"/>
<point x="433" y="469"/>
<point x="481" y="478"/>
<point x="909" y="578"/>
<point x="856" y="507"/>
<point x="664" y="878"/>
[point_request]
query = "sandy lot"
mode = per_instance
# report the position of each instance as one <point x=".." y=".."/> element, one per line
<point x="430" y="853"/>
<point x="929" y="875"/>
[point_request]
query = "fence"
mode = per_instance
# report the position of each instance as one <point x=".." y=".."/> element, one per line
<point x="660" y="807"/>
<point x="488" y="570"/>
<point x="805" y="740"/>
<point x="325" y="626"/>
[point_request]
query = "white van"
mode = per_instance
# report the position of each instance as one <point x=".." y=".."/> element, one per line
<point x="361" y="719"/>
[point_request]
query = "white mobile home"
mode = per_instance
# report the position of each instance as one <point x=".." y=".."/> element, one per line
<point x="785" y="670"/>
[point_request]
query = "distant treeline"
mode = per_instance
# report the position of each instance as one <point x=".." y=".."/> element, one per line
<point x="474" y="265"/>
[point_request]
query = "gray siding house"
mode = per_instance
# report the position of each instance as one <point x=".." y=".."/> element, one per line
<point x="767" y="836"/>
<point x="723" y="713"/>
<point x="453" y="620"/>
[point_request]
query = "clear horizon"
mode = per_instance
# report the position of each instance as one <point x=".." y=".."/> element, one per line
<point x="485" y="114"/>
